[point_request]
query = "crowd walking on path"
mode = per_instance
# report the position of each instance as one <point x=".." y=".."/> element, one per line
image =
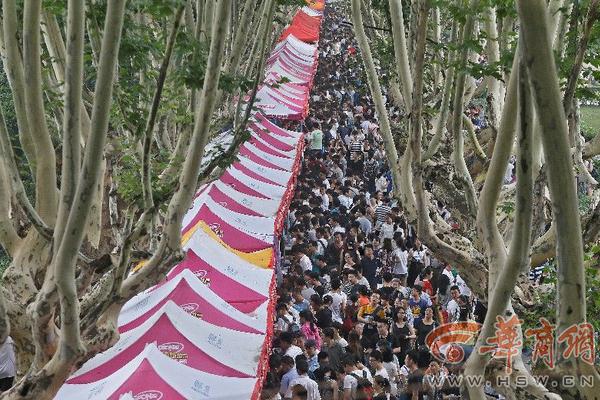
<point x="357" y="290"/>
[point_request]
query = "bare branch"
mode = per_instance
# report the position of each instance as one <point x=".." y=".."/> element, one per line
<point x="168" y="250"/>
<point x="519" y="246"/>
<point x="401" y="52"/>
<point x="592" y="15"/>
<point x="46" y="191"/>
<point x="16" y="184"/>
<point x="374" y="85"/>
<point x="462" y="172"/>
<point x="487" y="224"/>
<point x="9" y="239"/>
<point x="64" y="262"/>
<point x="13" y="66"/>
<point x="73" y="78"/>
<point x="147" y="138"/>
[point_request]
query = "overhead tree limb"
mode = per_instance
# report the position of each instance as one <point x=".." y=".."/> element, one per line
<point x="168" y="251"/>
<point x="16" y="184"/>
<point x="150" y="122"/>
<point x="518" y="255"/>
<point x="462" y="172"/>
<point x="73" y="81"/>
<point x="486" y="221"/>
<point x="46" y="191"/>
<point x="400" y="51"/>
<point x="442" y="118"/>
<point x="9" y="239"/>
<point x="592" y="16"/>
<point x="374" y="85"/>
<point x="13" y="66"/>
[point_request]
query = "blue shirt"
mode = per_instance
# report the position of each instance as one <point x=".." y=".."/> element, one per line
<point x="286" y="379"/>
<point x="417" y="308"/>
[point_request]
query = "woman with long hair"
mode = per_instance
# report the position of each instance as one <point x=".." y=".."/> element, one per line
<point x="386" y="257"/>
<point x="309" y="328"/>
<point x="424" y="326"/>
<point x="404" y="332"/>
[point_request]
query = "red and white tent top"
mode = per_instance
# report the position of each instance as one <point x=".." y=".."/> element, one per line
<point x="264" y="123"/>
<point x="184" y="338"/>
<point x="264" y="189"/>
<point x="237" y="281"/>
<point x="153" y="376"/>
<point x="302" y="49"/>
<point x="235" y="200"/>
<point x="281" y="178"/>
<point x="273" y="103"/>
<point x="259" y="227"/>
<point x="194" y="297"/>
<point x="312" y="12"/>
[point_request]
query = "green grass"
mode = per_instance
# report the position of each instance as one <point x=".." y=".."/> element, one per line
<point x="590" y="121"/>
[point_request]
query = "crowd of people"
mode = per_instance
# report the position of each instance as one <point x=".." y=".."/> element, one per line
<point x="358" y="292"/>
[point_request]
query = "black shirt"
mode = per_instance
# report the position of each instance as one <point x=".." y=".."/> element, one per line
<point x="324" y="318"/>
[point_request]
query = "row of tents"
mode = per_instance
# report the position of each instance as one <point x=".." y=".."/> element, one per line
<point x="205" y="331"/>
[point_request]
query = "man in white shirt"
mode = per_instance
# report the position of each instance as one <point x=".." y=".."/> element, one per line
<point x="311" y="386"/>
<point x="286" y="340"/>
<point x="352" y="371"/>
<point x="8" y="366"/>
<point x="339" y="301"/>
<point x="345" y="198"/>
<point x="301" y="258"/>
<point x="453" y="308"/>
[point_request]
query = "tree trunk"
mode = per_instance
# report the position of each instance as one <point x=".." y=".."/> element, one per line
<point x="561" y="180"/>
<point x="375" y="87"/>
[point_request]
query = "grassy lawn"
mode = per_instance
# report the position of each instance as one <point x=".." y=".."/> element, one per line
<point x="590" y="120"/>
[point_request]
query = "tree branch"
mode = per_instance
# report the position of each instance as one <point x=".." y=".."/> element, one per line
<point x="487" y="225"/>
<point x="16" y="184"/>
<point x="592" y="15"/>
<point x="9" y="239"/>
<point x="150" y="122"/>
<point x="73" y="78"/>
<point x="470" y="263"/>
<point x="168" y="250"/>
<point x="13" y="66"/>
<point x="46" y="191"/>
<point x="462" y="172"/>
<point x="519" y="245"/>
<point x="374" y="85"/>
<point x="400" y="51"/>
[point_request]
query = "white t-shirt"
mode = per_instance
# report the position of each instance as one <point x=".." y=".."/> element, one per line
<point x="336" y="305"/>
<point x="400" y="261"/>
<point x="453" y="310"/>
<point x="350" y="382"/>
<point x="294" y="351"/>
<point x="387" y="231"/>
<point x="8" y="366"/>
<point x="383" y="373"/>
<point x="305" y="263"/>
<point x="312" y="388"/>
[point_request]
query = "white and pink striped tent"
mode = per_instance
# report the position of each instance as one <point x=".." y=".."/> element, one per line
<point x="205" y="331"/>
<point x="184" y="338"/>
<point x="153" y="376"/>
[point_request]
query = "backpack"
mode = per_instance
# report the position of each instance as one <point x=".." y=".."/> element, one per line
<point x="364" y="388"/>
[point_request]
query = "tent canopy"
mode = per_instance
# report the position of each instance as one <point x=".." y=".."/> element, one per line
<point x="152" y="375"/>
